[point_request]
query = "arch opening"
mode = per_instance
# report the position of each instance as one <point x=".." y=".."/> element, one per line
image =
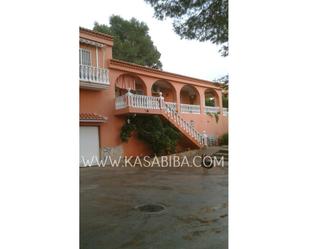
<point x="167" y="89"/>
<point x="189" y="100"/>
<point x="189" y="95"/>
<point x="126" y="82"/>
<point x="211" y="98"/>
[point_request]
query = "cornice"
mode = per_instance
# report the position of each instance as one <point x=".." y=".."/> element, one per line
<point x="96" y="33"/>
<point x="126" y="66"/>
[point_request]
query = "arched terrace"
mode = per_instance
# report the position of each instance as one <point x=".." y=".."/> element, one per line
<point x="130" y="82"/>
<point x="211" y="101"/>
<point x="167" y="90"/>
<point x="130" y="90"/>
<point x="189" y="100"/>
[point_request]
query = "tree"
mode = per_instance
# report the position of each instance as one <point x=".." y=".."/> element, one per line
<point x="132" y="42"/>
<point x="203" y="20"/>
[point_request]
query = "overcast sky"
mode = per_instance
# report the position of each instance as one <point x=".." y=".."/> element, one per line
<point x="191" y="58"/>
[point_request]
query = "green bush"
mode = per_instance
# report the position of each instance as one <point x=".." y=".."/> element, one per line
<point x="225" y="101"/>
<point x="209" y="102"/>
<point x="161" y="136"/>
<point x="224" y="139"/>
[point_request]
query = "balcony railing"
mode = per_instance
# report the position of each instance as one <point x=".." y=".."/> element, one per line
<point x="138" y="101"/>
<point x="171" y="105"/>
<point x="93" y="74"/>
<point x="225" y="111"/>
<point x="185" y="108"/>
<point x="212" y="109"/>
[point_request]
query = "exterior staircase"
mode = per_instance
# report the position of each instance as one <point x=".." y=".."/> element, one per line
<point x="222" y="152"/>
<point x="132" y="103"/>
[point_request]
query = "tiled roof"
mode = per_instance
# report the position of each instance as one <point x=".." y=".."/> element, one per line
<point x="114" y="63"/>
<point x="92" y="117"/>
<point x="106" y="36"/>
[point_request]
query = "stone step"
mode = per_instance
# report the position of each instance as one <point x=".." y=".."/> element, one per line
<point x="221" y="154"/>
<point x="223" y="151"/>
<point x="225" y="159"/>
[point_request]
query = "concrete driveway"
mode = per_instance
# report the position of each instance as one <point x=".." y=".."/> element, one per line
<point x="195" y="214"/>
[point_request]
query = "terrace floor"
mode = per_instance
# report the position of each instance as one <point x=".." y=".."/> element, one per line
<point x="195" y="214"/>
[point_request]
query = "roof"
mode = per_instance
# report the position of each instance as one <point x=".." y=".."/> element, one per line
<point x="103" y="35"/>
<point x="113" y="63"/>
<point x="92" y="117"/>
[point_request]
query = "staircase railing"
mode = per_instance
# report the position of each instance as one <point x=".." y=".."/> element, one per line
<point x="149" y="102"/>
<point x="186" y="126"/>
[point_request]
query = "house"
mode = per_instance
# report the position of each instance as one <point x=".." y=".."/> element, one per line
<point x="111" y="89"/>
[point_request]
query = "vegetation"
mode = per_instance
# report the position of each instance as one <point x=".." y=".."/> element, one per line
<point x="203" y="20"/>
<point x="161" y="136"/>
<point x="132" y="42"/>
<point x="225" y="101"/>
<point x="209" y="102"/>
<point x="224" y="139"/>
<point x="216" y="115"/>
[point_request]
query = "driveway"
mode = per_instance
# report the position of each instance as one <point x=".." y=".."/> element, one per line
<point x="194" y="215"/>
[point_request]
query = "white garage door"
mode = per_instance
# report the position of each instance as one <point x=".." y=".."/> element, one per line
<point x="88" y="145"/>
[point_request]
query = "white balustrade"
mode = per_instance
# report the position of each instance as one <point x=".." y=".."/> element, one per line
<point x="171" y="105"/>
<point x="212" y="109"/>
<point x="93" y="74"/>
<point x="225" y="111"/>
<point x="185" y="108"/>
<point x="138" y="101"/>
<point x="185" y="126"/>
<point x="121" y="102"/>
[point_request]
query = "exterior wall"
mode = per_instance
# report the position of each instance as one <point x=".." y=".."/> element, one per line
<point x="103" y="102"/>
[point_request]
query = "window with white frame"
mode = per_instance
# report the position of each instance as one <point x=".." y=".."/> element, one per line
<point x="84" y="57"/>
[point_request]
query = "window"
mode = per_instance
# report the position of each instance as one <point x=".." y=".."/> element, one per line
<point x="84" y="57"/>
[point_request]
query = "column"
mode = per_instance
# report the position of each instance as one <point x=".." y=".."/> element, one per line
<point x="219" y="93"/>
<point x="202" y="100"/>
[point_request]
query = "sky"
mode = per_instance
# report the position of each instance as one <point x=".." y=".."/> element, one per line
<point x="187" y="57"/>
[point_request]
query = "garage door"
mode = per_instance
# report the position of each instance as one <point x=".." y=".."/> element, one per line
<point x="88" y="145"/>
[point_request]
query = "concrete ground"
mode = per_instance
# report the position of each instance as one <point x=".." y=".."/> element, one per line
<point x="195" y="215"/>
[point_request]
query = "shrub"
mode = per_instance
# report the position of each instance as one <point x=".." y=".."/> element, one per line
<point x="224" y="139"/>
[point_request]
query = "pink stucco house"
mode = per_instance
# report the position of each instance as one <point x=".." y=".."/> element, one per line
<point x="111" y="89"/>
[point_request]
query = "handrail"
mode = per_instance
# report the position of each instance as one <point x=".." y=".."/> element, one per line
<point x="186" y="126"/>
<point x="212" y="109"/>
<point x="187" y="108"/>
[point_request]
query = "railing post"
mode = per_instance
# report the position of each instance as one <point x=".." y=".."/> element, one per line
<point x="161" y="101"/>
<point x="129" y="97"/>
<point x="205" y="138"/>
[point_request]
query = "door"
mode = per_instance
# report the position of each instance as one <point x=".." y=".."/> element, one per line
<point x="88" y="145"/>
